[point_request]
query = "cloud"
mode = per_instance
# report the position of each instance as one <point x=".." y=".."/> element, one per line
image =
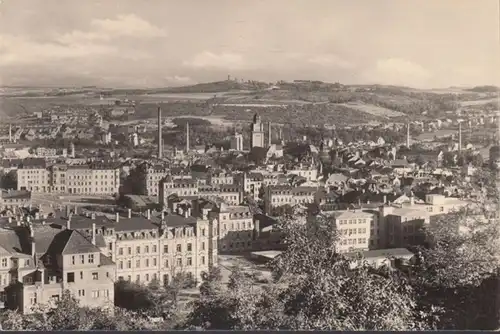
<point x="129" y="25"/>
<point x="225" y="60"/>
<point x="178" y="78"/>
<point x="95" y="43"/>
<point x="16" y="50"/>
<point x="397" y="71"/>
<point x="330" y="60"/>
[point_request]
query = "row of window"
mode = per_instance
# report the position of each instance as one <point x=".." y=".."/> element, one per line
<point x="352" y="221"/>
<point x="351" y="231"/>
<point x="70" y="277"/>
<point x="82" y="257"/>
<point x="353" y="241"/>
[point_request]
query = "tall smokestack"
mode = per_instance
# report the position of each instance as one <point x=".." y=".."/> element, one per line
<point x="408" y="135"/>
<point x="269" y="135"/>
<point x="460" y="137"/>
<point x="160" y="139"/>
<point x="10" y="133"/>
<point x="187" y="137"/>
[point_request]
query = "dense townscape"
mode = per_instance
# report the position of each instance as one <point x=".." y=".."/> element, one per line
<point x="176" y="221"/>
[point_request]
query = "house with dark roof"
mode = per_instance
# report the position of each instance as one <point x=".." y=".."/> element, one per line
<point x="38" y="261"/>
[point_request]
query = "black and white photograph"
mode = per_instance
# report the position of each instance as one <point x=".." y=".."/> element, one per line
<point x="249" y="165"/>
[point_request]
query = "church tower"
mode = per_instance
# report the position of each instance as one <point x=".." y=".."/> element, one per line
<point x="257" y="132"/>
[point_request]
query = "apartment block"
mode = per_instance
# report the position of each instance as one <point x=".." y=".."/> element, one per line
<point x="38" y="261"/>
<point x="32" y="175"/>
<point x="236" y="227"/>
<point x="14" y="199"/>
<point x="149" y="177"/>
<point x="155" y="248"/>
<point x="276" y="196"/>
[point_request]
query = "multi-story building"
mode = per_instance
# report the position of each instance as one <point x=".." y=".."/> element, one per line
<point x="236" y="142"/>
<point x="252" y="183"/>
<point x="307" y="171"/>
<point x="151" y="248"/>
<point x="401" y="225"/>
<point x="220" y="177"/>
<point x="14" y="199"/>
<point x="354" y="227"/>
<point x="149" y="177"/>
<point x="32" y="175"/>
<point x="276" y="196"/>
<point x="39" y="261"/>
<point x="230" y="194"/>
<point x="92" y="179"/>
<point x="180" y="187"/>
<point x="235" y="227"/>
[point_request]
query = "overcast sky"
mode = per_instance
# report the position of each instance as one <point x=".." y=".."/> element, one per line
<point x="420" y="43"/>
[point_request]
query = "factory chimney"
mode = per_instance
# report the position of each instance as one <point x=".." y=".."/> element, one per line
<point x="10" y="133"/>
<point x="460" y="137"/>
<point x="270" y="136"/>
<point x="187" y="137"/>
<point x="408" y="135"/>
<point x="160" y="140"/>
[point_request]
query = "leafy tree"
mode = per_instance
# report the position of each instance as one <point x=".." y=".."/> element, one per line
<point x="314" y="288"/>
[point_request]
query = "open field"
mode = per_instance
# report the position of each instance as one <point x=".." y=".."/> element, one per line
<point x="373" y="110"/>
<point x="478" y="102"/>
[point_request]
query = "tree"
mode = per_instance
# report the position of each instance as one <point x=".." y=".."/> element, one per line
<point x="314" y="288"/>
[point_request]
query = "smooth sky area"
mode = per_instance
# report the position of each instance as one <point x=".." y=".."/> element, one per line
<point x="152" y="43"/>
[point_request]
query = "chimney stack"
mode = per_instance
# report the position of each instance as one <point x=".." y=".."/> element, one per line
<point x="10" y="220"/>
<point x="92" y="215"/>
<point x="117" y="217"/>
<point x="187" y="137"/>
<point x="68" y="222"/>
<point x="129" y="213"/>
<point x="93" y="233"/>
<point x="408" y="135"/>
<point x="33" y="250"/>
<point x="460" y="137"/>
<point x="32" y="232"/>
<point x="257" y="229"/>
<point x="385" y="199"/>
<point x="148" y="214"/>
<point x="270" y="136"/>
<point x="162" y="215"/>
<point x="10" y="133"/>
<point x="160" y="139"/>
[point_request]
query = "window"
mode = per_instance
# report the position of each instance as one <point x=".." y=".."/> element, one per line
<point x="165" y="249"/>
<point x="189" y="261"/>
<point x="138" y="250"/>
<point x="179" y="248"/>
<point x="147" y="277"/>
<point x="4" y="262"/>
<point x="129" y="264"/>
<point x="137" y="278"/>
<point x="179" y="262"/>
<point x="95" y="293"/>
<point x="147" y="263"/>
<point x="120" y="251"/>
<point x="202" y="232"/>
<point x="110" y="246"/>
<point x="189" y="247"/>
<point x="82" y="259"/>
<point x="202" y="260"/>
<point x="91" y="258"/>
<point x="73" y="260"/>
<point x="166" y="263"/>
<point x="70" y="277"/>
<point x="129" y="251"/>
<point x="146" y="249"/>
<point x="95" y="276"/>
<point x="154" y="262"/>
<point x="81" y="293"/>
<point x="33" y="299"/>
<point x="120" y="265"/>
<point x="154" y="249"/>
<point x="138" y="263"/>
<point x="81" y="274"/>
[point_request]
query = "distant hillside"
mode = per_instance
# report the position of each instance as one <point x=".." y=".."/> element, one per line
<point x="218" y="86"/>
<point x="483" y="89"/>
